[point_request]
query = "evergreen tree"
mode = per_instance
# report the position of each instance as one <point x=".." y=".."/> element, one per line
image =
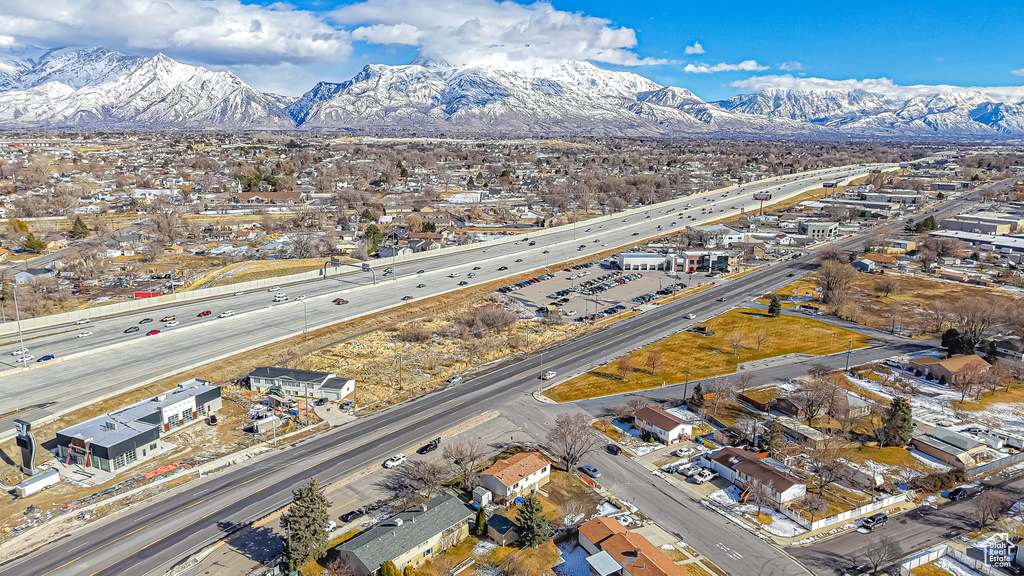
<point x="389" y="569"/>
<point x="775" y="306"/>
<point x="533" y="526"/>
<point x="897" y="425"/>
<point x="17" y="225"/>
<point x="33" y="245"/>
<point x="79" y="230"/>
<point x="480" y="529"/>
<point x="774" y="439"/>
<point x="367" y="216"/>
<point x="408" y="570"/>
<point x="697" y="400"/>
<point x="304" y="522"/>
<point x="374" y="235"/>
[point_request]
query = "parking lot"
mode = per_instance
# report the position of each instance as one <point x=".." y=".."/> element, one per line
<point x="587" y="290"/>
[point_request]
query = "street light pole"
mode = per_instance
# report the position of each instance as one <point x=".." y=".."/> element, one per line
<point x="17" y="314"/>
<point x="305" y="323"/>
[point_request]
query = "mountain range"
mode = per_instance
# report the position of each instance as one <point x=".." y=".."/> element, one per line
<point x="98" y="88"/>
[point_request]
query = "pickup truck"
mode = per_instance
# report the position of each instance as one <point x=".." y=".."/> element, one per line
<point x="704" y="476"/>
<point x="394" y="461"/>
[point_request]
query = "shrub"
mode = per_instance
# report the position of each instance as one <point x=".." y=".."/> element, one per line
<point x="939" y="481"/>
<point x="414" y="332"/>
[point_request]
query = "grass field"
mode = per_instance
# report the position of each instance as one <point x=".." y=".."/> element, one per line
<point x="703" y="356"/>
<point x="801" y="287"/>
<point x="254" y="270"/>
<point x="929" y="570"/>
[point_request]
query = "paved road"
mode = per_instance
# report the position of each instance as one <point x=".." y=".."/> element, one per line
<point x="109" y="361"/>
<point x="915" y="530"/>
<point x="150" y="539"/>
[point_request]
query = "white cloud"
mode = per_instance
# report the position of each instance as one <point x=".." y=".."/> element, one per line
<point x="695" y="49"/>
<point x="6" y="40"/>
<point x="791" y="66"/>
<point x="1017" y="72"/>
<point x="214" y="31"/>
<point x="747" y="65"/>
<point x="475" y="31"/>
<point x="883" y="86"/>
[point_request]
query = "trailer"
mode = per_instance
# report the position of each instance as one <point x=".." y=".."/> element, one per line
<point x="37" y="483"/>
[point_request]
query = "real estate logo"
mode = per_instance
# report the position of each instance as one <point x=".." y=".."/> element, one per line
<point x="997" y="551"/>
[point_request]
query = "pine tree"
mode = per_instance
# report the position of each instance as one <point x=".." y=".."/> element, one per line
<point x="480" y="529"/>
<point x="389" y="569"/>
<point x="697" y="400"/>
<point x="533" y="526"/>
<point x="304" y="522"/>
<point x="775" y="306"/>
<point x="898" y="424"/>
<point x="33" y="245"/>
<point x="79" y="230"/>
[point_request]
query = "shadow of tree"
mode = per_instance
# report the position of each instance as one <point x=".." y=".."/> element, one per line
<point x="259" y="544"/>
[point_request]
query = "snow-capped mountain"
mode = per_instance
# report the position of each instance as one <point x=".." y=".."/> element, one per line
<point x="96" y="88"/>
<point x="99" y="88"/>
<point x="944" y="114"/>
<point x="560" y="97"/>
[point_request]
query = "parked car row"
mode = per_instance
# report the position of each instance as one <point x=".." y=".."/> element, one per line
<point x="605" y="282"/>
<point x="525" y="283"/>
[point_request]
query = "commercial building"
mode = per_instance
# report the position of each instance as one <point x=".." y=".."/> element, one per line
<point x="723" y="261"/>
<point x="819" y="230"/>
<point x="948" y="446"/>
<point x="645" y="261"/>
<point x="125" y="437"/>
<point x="409" y="538"/>
<point x="302" y="383"/>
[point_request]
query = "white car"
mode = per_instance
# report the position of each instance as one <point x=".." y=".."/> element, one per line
<point x="570" y="313"/>
<point x="24" y="358"/>
<point x="239" y="293"/>
<point x="226" y="313"/>
<point x="331" y="526"/>
<point x="84" y="334"/>
<point x="280" y="298"/>
<point x="396" y="460"/>
<point x="81" y="321"/>
<point x="20" y="352"/>
<point x="690" y="316"/>
<point x="274" y="289"/>
<point x="453" y="275"/>
<point x="548" y="375"/>
<point x="171" y="323"/>
<point x="300" y="297"/>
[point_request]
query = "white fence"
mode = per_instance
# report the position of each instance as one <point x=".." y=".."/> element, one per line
<point x="921" y="559"/>
<point x="932" y="554"/>
<point x="843" y="517"/>
<point x="204" y="293"/>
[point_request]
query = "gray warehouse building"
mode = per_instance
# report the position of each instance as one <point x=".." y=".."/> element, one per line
<point x="120" y="439"/>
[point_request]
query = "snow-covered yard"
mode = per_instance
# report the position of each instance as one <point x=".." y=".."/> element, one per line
<point x="780" y="525"/>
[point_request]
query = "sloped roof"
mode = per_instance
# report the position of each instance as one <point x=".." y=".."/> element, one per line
<point x="601" y="528"/>
<point x="657" y="416"/>
<point x="515" y="468"/>
<point x="749" y="464"/>
<point x="964" y="361"/>
<point x="641" y="558"/>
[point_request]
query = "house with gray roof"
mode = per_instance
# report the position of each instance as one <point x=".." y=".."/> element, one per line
<point x="409" y="538"/>
<point x="949" y="446"/>
<point x="302" y="383"/>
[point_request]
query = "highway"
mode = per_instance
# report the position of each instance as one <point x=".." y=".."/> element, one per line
<point x="110" y="361"/>
<point x="149" y="539"/>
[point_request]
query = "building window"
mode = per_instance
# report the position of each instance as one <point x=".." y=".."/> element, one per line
<point x="130" y="456"/>
<point x="119" y="462"/>
<point x="152" y="446"/>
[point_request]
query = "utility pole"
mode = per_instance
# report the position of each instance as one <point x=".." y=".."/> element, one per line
<point x="686" y="385"/>
<point x="849" y="350"/>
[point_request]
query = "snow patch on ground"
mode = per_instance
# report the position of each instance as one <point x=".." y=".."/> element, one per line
<point x="781" y="525"/>
<point x="464" y="198"/>
<point x="953" y="567"/>
<point x="574" y="560"/>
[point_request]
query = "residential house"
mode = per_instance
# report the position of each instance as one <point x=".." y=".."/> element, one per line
<point x="288" y="197"/>
<point x="502" y="530"/>
<point x="667" y="428"/>
<point x="31" y="275"/>
<point x="517" y="475"/>
<point x="800" y="431"/>
<point x="950" y="368"/>
<point x="303" y="383"/>
<point x="4" y="254"/>
<point x="882" y="260"/>
<point x="864" y="265"/>
<point x="762" y="398"/>
<point x="795" y="405"/>
<point x="389" y="250"/>
<point x="55" y="240"/>
<point x="1009" y="348"/>
<point x="409" y="538"/>
<point x="951" y="447"/>
<point x="617" y="551"/>
<point x="741" y="467"/>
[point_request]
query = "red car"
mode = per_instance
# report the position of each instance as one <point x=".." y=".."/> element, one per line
<point x="152" y="332"/>
<point x="205" y="313"/>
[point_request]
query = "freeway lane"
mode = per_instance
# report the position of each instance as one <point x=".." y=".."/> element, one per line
<point x="153" y="537"/>
<point x="113" y="361"/>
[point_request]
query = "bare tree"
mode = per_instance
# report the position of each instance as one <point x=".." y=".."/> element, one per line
<point x="939" y="312"/>
<point x="340" y="566"/>
<point x="886" y="287"/>
<point x="748" y="426"/>
<point x="835" y="280"/>
<point x="761" y="337"/>
<point x="572" y="438"/>
<point x="636" y="403"/>
<point x="974" y="316"/>
<point x="745" y="381"/>
<point x="998" y="376"/>
<point x="883" y="552"/>
<point x="833" y="253"/>
<point x="814" y="505"/>
<point x="735" y="340"/>
<point x="428" y="477"/>
<point x="760" y="494"/>
<point x="625" y="366"/>
<point x="654" y="360"/>
<point x="812" y="398"/>
<point x="989" y="507"/>
<point x="968" y="382"/>
<point x="462" y="457"/>
<point x="826" y="456"/>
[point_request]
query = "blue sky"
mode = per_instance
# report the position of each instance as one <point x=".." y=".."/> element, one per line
<point x="742" y="45"/>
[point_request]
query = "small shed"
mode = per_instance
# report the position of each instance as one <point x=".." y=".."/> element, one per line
<point x="502" y="530"/>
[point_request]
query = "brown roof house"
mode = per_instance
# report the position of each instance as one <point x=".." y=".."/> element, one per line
<point x="950" y="367"/>
<point x="741" y="467"/>
<point x="616" y="551"/>
<point x="666" y="428"/>
<point x="516" y="475"/>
